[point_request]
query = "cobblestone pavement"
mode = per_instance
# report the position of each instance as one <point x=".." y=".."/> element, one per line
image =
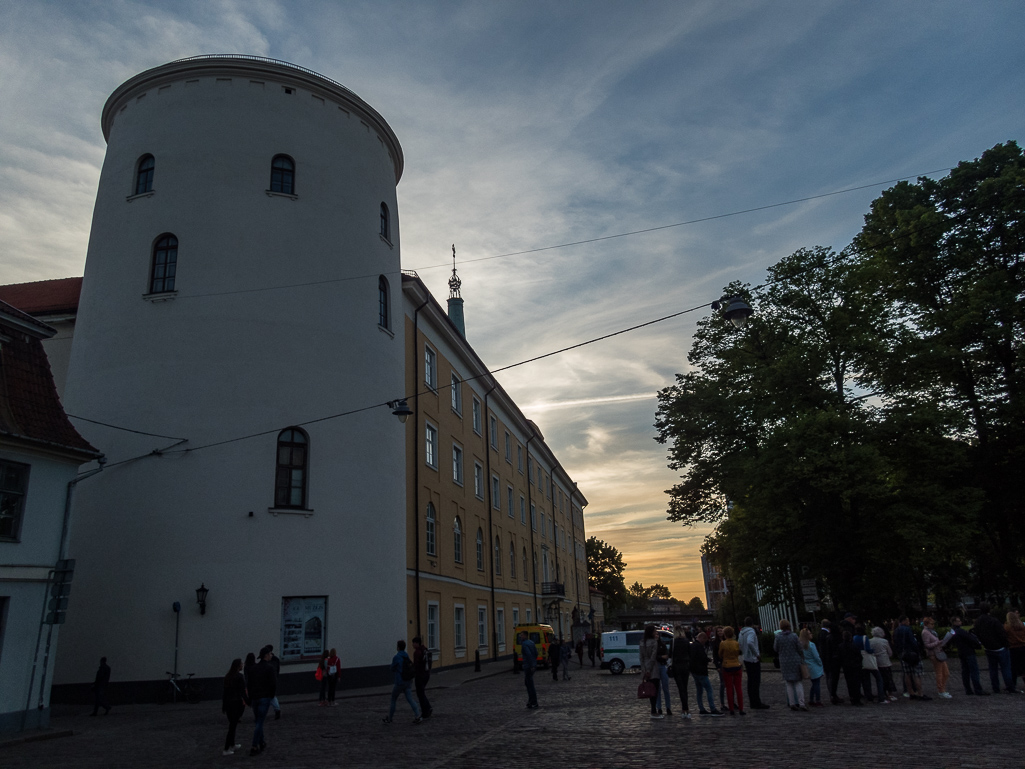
<point x="594" y="720"/>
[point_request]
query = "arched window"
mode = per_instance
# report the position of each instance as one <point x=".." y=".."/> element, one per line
<point x="293" y="461"/>
<point x="144" y="174"/>
<point x="432" y="546"/>
<point x="385" y="223"/>
<point x="512" y="560"/>
<point x="383" y="298"/>
<point x="480" y="550"/>
<point x="164" y="265"/>
<point x="498" y="555"/>
<point x="457" y="541"/>
<point x="282" y="175"/>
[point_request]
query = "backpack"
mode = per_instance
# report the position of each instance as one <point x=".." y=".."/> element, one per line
<point x="408" y="672"/>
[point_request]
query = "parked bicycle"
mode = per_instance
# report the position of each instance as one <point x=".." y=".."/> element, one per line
<point x="181" y="689"/>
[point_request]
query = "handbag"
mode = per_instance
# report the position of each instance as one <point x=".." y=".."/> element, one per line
<point x="647" y="690"/>
<point x="910" y="658"/>
<point x="868" y="661"/>
<point x="319" y="674"/>
<point x="941" y="655"/>
<point x="805" y="673"/>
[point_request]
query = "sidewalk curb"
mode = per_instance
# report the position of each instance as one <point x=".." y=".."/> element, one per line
<point x="37" y="737"/>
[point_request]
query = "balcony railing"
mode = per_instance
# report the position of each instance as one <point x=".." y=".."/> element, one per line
<point x="553" y="588"/>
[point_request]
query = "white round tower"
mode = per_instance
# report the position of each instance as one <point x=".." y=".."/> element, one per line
<point x="242" y="282"/>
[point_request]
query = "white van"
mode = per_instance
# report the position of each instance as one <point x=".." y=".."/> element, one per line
<point x="621" y="649"/>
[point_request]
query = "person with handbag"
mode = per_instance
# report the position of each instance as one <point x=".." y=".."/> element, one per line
<point x="816" y="670"/>
<point x="934" y="650"/>
<point x="791" y="657"/>
<point x="906" y="646"/>
<point x="333" y="671"/>
<point x="869" y="667"/>
<point x="882" y="651"/>
<point x="649" y="671"/>
<point x="321" y="675"/>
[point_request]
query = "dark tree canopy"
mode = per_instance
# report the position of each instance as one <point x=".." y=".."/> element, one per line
<point x="605" y="566"/>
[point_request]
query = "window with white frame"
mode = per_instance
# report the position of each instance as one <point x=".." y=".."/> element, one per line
<point x="459" y="628"/>
<point x="457" y="463"/>
<point x="482" y="627"/>
<point x="498" y="556"/>
<point x="457" y="541"/>
<point x="457" y="394"/>
<point x="493" y="429"/>
<point x="431" y="537"/>
<point x="433" y="640"/>
<point x="500" y="627"/>
<point x="478" y="423"/>
<point x="523" y="510"/>
<point x="528" y="617"/>
<point x="512" y="560"/>
<point x="526" y="574"/>
<point x="431" y="446"/>
<point x="509" y="500"/>
<point x="478" y="480"/>
<point x="496" y="492"/>
<point x="430" y="368"/>
<point x="519" y="458"/>
<point x="516" y="616"/>
<point x="508" y="447"/>
<point x="480" y="550"/>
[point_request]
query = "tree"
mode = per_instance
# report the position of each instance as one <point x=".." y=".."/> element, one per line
<point x="605" y="566"/>
<point x="695" y="604"/>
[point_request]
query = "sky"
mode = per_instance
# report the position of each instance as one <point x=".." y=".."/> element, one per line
<point x="527" y="125"/>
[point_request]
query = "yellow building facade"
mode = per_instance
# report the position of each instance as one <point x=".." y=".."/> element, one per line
<point x="495" y="528"/>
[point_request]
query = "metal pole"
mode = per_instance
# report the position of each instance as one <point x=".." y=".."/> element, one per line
<point x="35" y="656"/>
<point x="177" y="620"/>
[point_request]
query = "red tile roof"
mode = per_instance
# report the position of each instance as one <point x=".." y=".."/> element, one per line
<point x="43" y="297"/>
<point x="30" y="410"/>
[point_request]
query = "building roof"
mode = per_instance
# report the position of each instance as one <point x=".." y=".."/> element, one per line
<point x="43" y="297"/>
<point x="30" y="410"/>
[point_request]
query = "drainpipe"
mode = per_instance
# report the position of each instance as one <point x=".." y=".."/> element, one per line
<point x="491" y="506"/>
<point x="530" y="508"/>
<point x="573" y="531"/>
<point x="416" y="459"/>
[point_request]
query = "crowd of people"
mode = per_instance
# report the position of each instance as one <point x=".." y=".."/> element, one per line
<point x="864" y="654"/>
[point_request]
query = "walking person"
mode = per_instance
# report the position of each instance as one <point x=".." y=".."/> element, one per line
<point x="752" y="658"/>
<point x="732" y="670"/>
<point x="680" y="669"/>
<point x="565" y="656"/>
<point x="883" y="653"/>
<point x="906" y="647"/>
<point x="529" y="653"/>
<point x="263" y="687"/>
<point x="276" y="664"/>
<point x="993" y="637"/>
<point x="791" y="656"/>
<point x="699" y="670"/>
<point x="649" y="668"/>
<point x="1015" y="630"/>
<point x="966" y="643"/>
<point x="403" y="674"/>
<point x="422" y="667"/>
<point x="813" y="661"/>
<point x="555" y="657"/>
<point x="934" y="650"/>
<point x="233" y="704"/>
<point x="100" y="684"/>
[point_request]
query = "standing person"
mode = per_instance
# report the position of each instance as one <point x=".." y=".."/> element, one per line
<point x="831" y="652"/>
<point x="752" y="657"/>
<point x="276" y="663"/>
<point x="882" y="651"/>
<point x="649" y="668"/>
<point x="713" y="641"/>
<point x="233" y="703"/>
<point x="1015" y="630"/>
<point x="680" y="655"/>
<point x="333" y="672"/>
<point x="906" y="647"/>
<point x="934" y="650"/>
<point x="403" y="674"/>
<point x="732" y="669"/>
<point x="699" y="670"/>
<point x="591" y="644"/>
<point x="816" y="672"/>
<point x="565" y="656"/>
<point x="321" y="675"/>
<point x="422" y="668"/>
<point x="993" y="637"/>
<point x="662" y="657"/>
<point x="555" y="657"/>
<point x="966" y="643"/>
<point x="869" y="667"/>
<point x="580" y="652"/>
<point x="529" y="653"/>
<point x="791" y="656"/>
<point x="100" y="684"/>
<point x="822" y="644"/>
<point x="263" y="687"/>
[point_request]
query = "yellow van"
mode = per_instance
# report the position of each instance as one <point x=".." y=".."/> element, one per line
<point x="541" y="635"/>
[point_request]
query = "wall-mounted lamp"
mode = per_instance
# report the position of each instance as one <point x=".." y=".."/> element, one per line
<point x="201" y="592"/>
<point x="736" y="310"/>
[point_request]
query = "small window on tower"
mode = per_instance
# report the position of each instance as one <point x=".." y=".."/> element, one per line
<point x="282" y="175"/>
<point x="144" y="175"/>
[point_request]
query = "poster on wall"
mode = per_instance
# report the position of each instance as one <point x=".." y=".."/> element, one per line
<point x="302" y="627"/>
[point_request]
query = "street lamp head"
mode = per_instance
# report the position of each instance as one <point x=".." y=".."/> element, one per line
<point x="736" y="310"/>
<point x="401" y="409"/>
<point x="201" y="592"/>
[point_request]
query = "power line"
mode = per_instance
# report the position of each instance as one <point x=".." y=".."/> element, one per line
<point x="126" y="429"/>
<point x="575" y="242"/>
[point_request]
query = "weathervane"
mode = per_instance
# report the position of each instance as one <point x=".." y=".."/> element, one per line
<point x="454" y="283"/>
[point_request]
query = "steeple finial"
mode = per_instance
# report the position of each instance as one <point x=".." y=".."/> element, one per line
<point x="454" y="283"/>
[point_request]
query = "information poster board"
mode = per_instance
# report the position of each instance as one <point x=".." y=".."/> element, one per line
<point x="302" y="627"/>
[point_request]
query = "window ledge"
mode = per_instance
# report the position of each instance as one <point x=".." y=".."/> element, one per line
<point x="163" y="296"/>
<point x="385" y="330"/>
<point x="460" y="653"/>
<point x="149" y="194"/>
<point x="289" y="511"/>
<point x="289" y="195"/>
<point x="383" y="238"/>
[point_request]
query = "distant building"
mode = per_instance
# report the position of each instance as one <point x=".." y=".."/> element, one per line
<point x="715" y="585"/>
<point x="40" y="453"/>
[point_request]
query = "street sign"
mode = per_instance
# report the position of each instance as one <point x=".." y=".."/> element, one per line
<point x="60" y="589"/>
<point x="812" y="606"/>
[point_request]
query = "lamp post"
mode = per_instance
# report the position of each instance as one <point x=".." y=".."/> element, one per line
<point x="177" y="608"/>
<point x="201" y="592"/>
<point x="734" y="309"/>
<point x="400" y="409"/>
